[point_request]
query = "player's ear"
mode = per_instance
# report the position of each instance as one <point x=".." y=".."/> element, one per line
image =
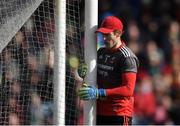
<point x="120" y="33"/>
<point x="117" y="33"/>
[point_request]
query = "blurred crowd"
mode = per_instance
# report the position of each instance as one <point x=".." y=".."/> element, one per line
<point x="152" y="31"/>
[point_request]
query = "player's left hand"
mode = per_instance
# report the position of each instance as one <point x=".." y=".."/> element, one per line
<point x="82" y="70"/>
<point x="90" y="93"/>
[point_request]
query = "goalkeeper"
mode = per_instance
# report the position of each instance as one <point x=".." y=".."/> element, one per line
<point x="116" y="75"/>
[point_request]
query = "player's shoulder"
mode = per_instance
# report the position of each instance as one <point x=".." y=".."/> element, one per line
<point x="102" y="49"/>
<point x="128" y="55"/>
<point x="126" y="52"/>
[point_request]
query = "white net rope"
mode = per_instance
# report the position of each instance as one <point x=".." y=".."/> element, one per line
<point x="11" y="13"/>
<point x="26" y="61"/>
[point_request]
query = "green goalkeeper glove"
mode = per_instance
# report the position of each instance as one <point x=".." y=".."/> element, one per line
<point x="90" y="93"/>
<point x="82" y="70"/>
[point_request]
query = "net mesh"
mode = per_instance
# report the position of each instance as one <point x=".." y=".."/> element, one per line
<point x="74" y="49"/>
<point x="27" y="29"/>
<point x="27" y="67"/>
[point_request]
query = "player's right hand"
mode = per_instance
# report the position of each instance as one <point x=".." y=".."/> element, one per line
<point x="89" y="92"/>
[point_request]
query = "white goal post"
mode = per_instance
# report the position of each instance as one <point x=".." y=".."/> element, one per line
<point x="60" y="62"/>
<point x="91" y="19"/>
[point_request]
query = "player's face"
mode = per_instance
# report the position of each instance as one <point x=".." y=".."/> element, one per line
<point x="110" y="40"/>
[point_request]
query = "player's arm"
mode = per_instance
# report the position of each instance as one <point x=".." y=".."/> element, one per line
<point x="128" y="77"/>
<point x="126" y="87"/>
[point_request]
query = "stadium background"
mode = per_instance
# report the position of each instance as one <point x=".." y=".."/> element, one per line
<point x="151" y="30"/>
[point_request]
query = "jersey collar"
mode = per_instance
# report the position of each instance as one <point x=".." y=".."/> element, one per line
<point x="116" y="49"/>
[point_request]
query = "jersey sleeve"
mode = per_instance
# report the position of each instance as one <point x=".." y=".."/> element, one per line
<point x="130" y="64"/>
<point x="127" y="88"/>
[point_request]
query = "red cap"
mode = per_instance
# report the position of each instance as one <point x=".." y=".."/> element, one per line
<point x="109" y="24"/>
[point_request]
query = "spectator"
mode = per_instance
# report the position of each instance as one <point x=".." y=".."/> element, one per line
<point x="13" y="119"/>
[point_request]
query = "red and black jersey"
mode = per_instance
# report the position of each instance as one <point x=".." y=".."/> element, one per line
<point x="116" y="72"/>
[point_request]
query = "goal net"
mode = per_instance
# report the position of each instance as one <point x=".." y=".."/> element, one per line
<point x="75" y="56"/>
<point x="27" y="31"/>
